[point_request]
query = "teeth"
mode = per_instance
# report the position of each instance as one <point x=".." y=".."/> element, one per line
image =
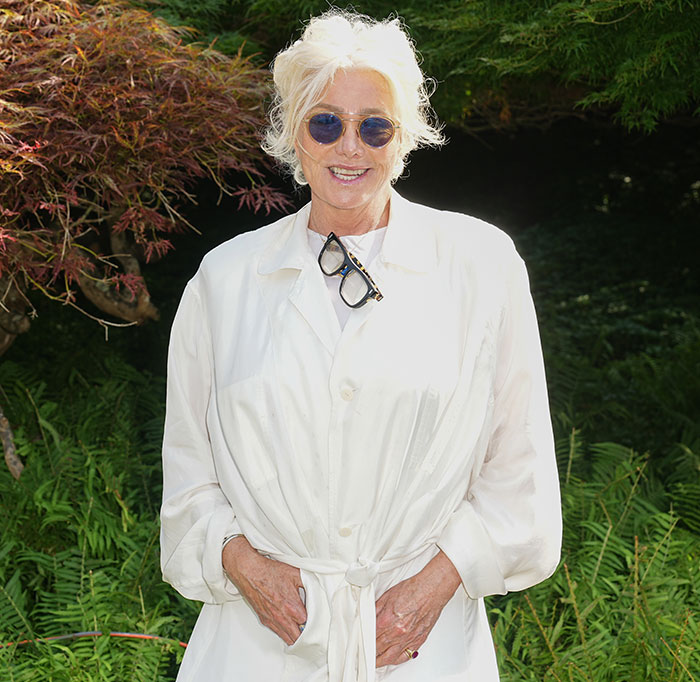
<point x="346" y="173"/>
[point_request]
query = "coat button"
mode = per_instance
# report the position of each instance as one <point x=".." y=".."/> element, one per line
<point x="346" y="393"/>
<point x="345" y="532"/>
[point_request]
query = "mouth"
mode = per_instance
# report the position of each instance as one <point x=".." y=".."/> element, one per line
<point x="347" y="174"/>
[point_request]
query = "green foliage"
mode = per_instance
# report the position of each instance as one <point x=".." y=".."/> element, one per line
<point x="528" y="62"/>
<point x="625" y="603"/>
<point x="219" y="21"/>
<point x="108" y="119"/>
<point x="618" y="304"/>
<point x="621" y="335"/>
<point x="80" y="533"/>
<point x="79" y="548"/>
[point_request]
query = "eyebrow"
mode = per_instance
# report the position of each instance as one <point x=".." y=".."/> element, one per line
<point x="337" y="110"/>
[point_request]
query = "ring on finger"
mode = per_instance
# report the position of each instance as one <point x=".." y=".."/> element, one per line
<point x="410" y="653"/>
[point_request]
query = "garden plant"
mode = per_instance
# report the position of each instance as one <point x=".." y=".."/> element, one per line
<point x="507" y="64"/>
<point x="612" y="268"/>
<point x="108" y="118"/>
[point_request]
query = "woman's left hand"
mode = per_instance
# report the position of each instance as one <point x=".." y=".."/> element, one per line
<point x="407" y="612"/>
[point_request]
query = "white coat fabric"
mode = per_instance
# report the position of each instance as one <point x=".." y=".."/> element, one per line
<point x="355" y="454"/>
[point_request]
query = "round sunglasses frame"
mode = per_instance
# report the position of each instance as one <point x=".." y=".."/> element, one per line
<point x="343" y="117"/>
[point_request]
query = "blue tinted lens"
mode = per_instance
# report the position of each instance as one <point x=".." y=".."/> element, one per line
<point x="376" y="131"/>
<point x="325" y="128"/>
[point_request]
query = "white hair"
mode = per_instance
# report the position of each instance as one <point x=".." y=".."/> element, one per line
<point x="342" y="41"/>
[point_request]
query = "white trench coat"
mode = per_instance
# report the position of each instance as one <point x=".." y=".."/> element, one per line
<point x="356" y="454"/>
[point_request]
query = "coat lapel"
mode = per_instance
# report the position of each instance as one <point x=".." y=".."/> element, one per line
<point x="310" y="297"/>
<point x="408" y="248"/>
<point x="407" y="245"/>
<point x="290" y="257"/>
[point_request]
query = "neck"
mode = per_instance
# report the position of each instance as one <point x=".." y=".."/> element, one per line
<point x="325" y="218"/>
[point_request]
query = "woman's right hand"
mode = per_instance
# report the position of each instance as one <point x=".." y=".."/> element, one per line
<point x="270" y="587"/>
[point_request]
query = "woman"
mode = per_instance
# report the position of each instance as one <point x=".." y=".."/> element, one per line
<point x="357" y="446"/>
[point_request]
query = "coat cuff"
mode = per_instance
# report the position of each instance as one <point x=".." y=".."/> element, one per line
<point x="221" y="588"/>
<point x="468" y="546"/>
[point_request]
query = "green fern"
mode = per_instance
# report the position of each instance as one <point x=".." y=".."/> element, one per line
<point x="79" y="546"/>
<point x="624" y="604"/>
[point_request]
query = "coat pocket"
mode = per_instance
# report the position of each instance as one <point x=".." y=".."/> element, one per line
<point x="312" y="643"/>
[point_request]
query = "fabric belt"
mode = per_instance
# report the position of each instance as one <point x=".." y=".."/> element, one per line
<point x="352" y="636"/>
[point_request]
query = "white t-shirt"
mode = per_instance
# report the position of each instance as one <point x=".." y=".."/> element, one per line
<point x="364" y="247"/>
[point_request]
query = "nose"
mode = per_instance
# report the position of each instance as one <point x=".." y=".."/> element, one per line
<point x="350" y="143"/>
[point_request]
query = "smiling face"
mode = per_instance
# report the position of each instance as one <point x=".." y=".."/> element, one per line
<point x="350" y="181"/>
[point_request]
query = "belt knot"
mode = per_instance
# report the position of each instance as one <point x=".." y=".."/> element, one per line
<point x="362" y="572"/>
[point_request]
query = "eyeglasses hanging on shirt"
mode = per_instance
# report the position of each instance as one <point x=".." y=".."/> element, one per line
<point x="356" y="286"/>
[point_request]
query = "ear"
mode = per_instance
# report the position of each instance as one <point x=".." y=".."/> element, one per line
<point x="299" y="176"/>
<point x="399" y="166"/>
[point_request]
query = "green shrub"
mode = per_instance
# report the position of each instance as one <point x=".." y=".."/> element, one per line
<point x="624" y="604"/>
<point x="79" y="549"/>
<point x="80" y="538"/>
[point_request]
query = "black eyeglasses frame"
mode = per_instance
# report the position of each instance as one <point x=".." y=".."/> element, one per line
<point x="350" y="264"/>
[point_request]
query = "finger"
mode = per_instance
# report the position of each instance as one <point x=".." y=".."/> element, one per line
<point x="394" y="643"/>
<point x="385" y="641"/>
<point x="298" y="629"/>
<point x="297" y="578"/>
<point x="383" y="625"/>
<point x="287" y="628"/>
<point x="392" y="656"/>
<point x="295" y="608"/>
<point x="293" y="632"/>
<point x="283" y="614"/>
<point x="393" y="633"/>
<point x="396" y="655"/>
<point x="392" y="638"/>
<point x="283" y="633"/>
<point x="382" y="614"/>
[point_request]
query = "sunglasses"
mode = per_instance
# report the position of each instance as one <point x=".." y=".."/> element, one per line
<point x="375" y="131"/>
<point x="356" y="287"/>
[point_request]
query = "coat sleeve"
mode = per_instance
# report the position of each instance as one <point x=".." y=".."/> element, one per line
<point x="506" y="533"/>
<point x="195" y="515"/>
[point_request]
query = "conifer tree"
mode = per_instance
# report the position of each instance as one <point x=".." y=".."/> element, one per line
<point x="503" y="64"/>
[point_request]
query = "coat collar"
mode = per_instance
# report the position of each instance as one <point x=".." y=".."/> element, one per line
<point x="290" y="248"/>
<point x="409" y="241"/>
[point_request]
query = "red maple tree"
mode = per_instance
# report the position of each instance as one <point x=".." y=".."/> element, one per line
<point x="107" y="119"/>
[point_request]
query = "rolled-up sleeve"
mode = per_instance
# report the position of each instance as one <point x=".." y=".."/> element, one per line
<point x="195" y="515"/>
<point x="506" y="533"/>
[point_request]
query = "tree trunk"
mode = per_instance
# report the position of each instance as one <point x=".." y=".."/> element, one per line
<point x="120" y="304"/>
<point x="6" y="339"/>
<point x="13" y="320"/>
<point x="14" y="463"/>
